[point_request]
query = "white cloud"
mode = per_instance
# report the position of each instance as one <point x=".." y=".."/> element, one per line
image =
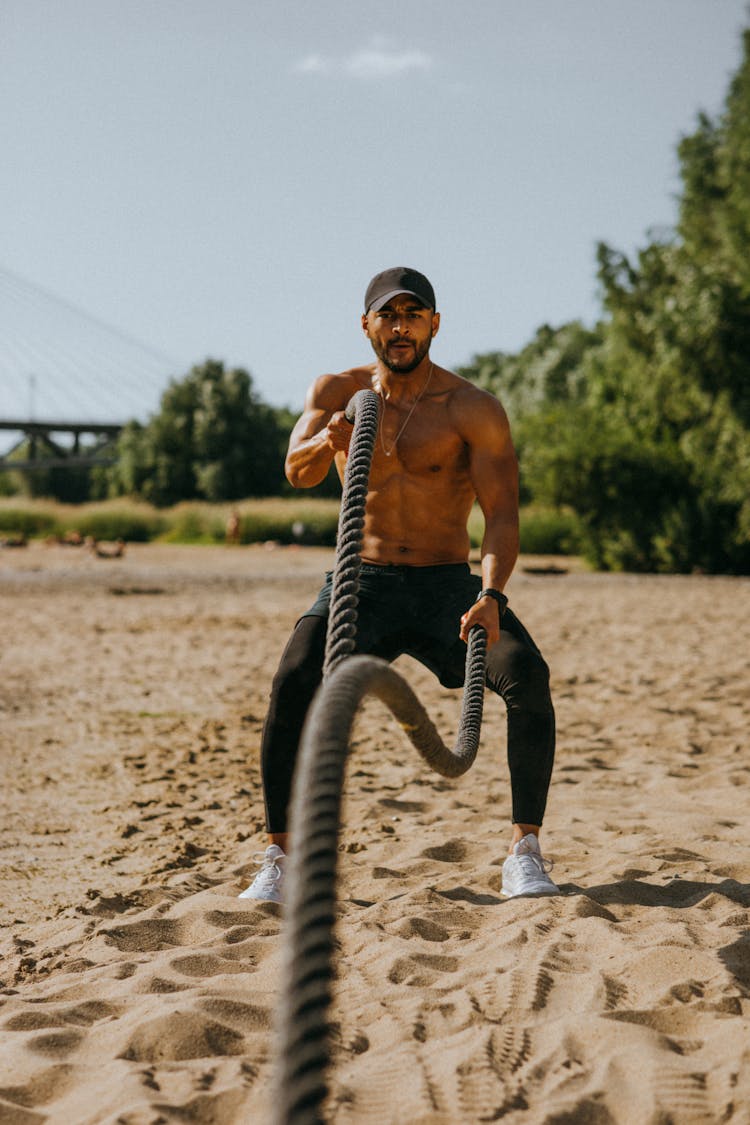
<point x="379" y="62"/>
<point x="368" y="65"/>
<point x="313" y="64"/>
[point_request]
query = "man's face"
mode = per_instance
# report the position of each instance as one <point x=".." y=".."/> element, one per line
<point x="401" y="332"/>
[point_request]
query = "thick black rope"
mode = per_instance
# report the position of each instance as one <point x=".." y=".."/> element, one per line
<point x="363" y="410"/>
<point x="310" y="885"/>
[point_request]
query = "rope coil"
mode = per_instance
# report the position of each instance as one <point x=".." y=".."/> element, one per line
<point x="310" y="886"/>
<point x="363" y="410"/>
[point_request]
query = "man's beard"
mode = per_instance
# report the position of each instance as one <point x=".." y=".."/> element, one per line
<point x="402" y="366"/>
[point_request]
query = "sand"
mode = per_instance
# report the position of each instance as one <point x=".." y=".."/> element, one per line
<point x="135" y="988"/>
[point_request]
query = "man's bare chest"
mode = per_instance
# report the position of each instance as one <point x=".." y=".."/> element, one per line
<point x="419" y="445"/>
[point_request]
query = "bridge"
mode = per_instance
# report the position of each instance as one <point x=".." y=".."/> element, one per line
<point x="46" y="452"/>
<point x="68" y="381"/>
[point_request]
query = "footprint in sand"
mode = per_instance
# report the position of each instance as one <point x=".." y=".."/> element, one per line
<point x="437" y="1019"/>
<point x="422" y="928"/>
<point x="396" y="805"/>
<point x="202" y="965"/>
<point x="125" y="970"/>
<point x="84" y="1015"/>
<point x="42" y="1088"/>
<point x="246" y="1017"/>
<point x="226" y="1105"/>
<point x="32" y="1021"/>
<point x="146" y="936"/>
<point x="490" y="1084"/>
<point x="421" y="969"/>
<point x="452" y="851"/>
<point x="238" y="934"/>
<point x="616" y="993"/>
<point x="405" y="1081"/>
<point x="682" y="1094"/>
<point x="526" y="991"/>
<point x="56" y="1042"/>
<point x="161" y="985"/>
<point x="180" y="1035"/>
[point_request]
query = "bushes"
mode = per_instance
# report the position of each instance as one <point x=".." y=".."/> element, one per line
<point x="310" y="523"/>
<point x="133" y="527"/>
<point x="549" y="531"/>
<point x="193" y="523"/>
<point x="307" y="522"/>
<point x="312" y="526"/>
<point x="544" y="530"/>
<point x="30" y="522"/>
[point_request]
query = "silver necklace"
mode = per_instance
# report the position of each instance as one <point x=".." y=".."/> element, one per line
<point x="388" y="452"/>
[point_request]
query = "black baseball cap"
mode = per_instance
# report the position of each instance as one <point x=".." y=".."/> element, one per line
<point x="399" y="279"/>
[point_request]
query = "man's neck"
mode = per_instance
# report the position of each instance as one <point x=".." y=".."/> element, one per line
<point x="397" y="386"/>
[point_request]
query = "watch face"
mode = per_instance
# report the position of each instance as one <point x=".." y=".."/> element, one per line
<point x="501" y="599"/>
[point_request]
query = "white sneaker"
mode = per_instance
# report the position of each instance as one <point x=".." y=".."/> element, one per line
<point x="267" y="884"/>
<point x="525" y="870"/>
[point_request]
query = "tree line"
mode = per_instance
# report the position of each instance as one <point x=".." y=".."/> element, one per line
<point x="642" y="424"/>
<point x="639" y="425"/>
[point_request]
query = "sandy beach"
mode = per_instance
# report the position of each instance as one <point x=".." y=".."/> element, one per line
<point x="136" y="989"/>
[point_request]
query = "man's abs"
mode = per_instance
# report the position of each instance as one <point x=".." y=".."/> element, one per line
<point x="415" y="527"/>
<point x="384" y="553"/>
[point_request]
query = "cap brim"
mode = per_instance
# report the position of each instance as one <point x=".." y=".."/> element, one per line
<point x="380" y="301"/>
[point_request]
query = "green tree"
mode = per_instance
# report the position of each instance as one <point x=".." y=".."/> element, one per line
<point x="212" y="439"/>
<point x="654" y="450"/>
<point x="654" y="456"/>
<point x="547" y="375"/>
<point x="547" y="370"/>
<point x="70" y="484"/>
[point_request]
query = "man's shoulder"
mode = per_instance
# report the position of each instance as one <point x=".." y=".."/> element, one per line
<point x="466" y="395"/>
<point x="472" y="406"/>
<point x="333" y="390"/>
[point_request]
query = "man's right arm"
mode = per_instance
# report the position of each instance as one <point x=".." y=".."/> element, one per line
<point x="320" y="433"/>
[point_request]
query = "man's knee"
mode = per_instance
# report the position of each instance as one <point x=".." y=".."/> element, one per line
<point x="301" y="667"/>
<point x="520" y="675"/>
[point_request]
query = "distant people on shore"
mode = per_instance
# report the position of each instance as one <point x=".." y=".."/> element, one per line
<point x="232" y="534"/>
<point x="73" y="538"/>
<point x="114" y="550"/>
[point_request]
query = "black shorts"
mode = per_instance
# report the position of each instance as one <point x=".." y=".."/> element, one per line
<point x="411" y="609"/>
<point x="416" y="611"/>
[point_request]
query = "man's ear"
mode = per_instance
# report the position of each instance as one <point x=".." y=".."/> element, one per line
<point x="435" y="323"/>
<point x="365" y="325"/>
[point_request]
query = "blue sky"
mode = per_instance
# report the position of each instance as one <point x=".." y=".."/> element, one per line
<point x="222" y="177"/>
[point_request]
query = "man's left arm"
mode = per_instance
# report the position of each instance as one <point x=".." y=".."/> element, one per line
<point x="494" y="474"/>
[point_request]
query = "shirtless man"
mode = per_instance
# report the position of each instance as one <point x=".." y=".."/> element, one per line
<point x="441" y="444"/>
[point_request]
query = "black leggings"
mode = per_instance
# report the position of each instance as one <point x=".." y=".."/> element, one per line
<point x="515" y="670"/>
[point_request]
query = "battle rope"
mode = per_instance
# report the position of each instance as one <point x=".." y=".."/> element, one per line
<point x="310" y="885"/>
<point x="363" y="410"/>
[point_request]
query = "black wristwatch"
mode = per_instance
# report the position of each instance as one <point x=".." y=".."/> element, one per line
<point x="501" y="599"/>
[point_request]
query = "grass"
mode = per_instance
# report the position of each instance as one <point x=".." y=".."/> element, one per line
<point x="312" y="521"/>
<point x="309" y="522"/>
<point x="115" y="519"/>
<point x="544" y="531"/>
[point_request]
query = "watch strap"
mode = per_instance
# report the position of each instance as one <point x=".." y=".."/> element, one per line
<point x="490" y="592"/>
